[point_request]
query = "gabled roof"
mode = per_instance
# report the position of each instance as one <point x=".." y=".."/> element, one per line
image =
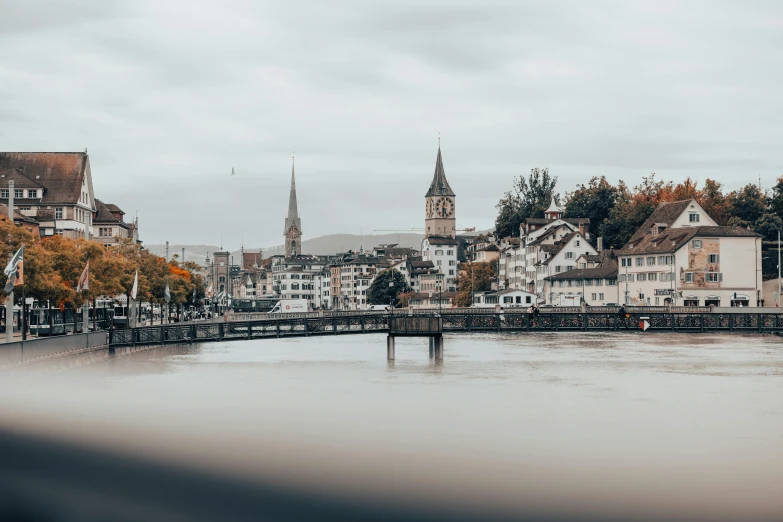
<point x="60" y="173"/>
<point x="546" y="221"/>
<point x="104" y="215"/>
<point x="20" y="180"/>
<point x="675" y="238"/>
<point x="665" y="214"/>
<point x="18" y="216"/>
<point x="439" y="186"/>
<point x="558" y="246"/>
<point x="489" y="248"/>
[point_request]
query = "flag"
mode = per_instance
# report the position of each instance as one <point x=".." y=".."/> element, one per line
<point x="209" y="291"/>
<point x="84" y="279"/>
<point x="135" y="288"/>
<point x="15" y="271"/>
<point x="167" y="293"/>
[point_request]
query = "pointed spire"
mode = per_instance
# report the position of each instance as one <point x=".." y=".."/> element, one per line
<point x="293" y="212"/>
<point x="553" y="206"/>
<point x="440" y="186"/>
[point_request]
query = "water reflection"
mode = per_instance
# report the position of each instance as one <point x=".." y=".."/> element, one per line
<point x="512" y="418"/>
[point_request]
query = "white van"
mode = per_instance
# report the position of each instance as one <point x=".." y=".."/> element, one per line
<point x="378" y="308"/>
<point x="290" y="306"/>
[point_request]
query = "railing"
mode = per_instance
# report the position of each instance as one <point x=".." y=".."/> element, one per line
<point x="23" y="351"/>
<point x="422" y="324"/>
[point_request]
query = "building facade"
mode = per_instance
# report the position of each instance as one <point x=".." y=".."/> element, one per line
<point x="681" y="256"/>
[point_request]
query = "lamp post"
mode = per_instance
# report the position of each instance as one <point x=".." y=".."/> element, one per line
<point x="439" y="282"/>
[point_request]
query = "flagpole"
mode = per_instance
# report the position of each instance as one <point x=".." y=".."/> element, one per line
<point x="9" y="300"/>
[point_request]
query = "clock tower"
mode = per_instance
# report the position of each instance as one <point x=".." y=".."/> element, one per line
<point x="440" y="205"/>
<point x="292" y="230"/>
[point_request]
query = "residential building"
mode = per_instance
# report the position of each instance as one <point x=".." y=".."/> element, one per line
<point x="432" y="300"/>
<point x="681" y="256"/>
<point x="109" y="226"/>
<point x="511" y="264"/>
<point x="508" y="298"/>
<point x="593" y="280"/>
<point x="53" y="187"/>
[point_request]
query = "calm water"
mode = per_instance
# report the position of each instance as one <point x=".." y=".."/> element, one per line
<point x="669" y="424"/>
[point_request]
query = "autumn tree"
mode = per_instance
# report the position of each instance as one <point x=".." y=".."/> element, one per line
<point x="714" y="202"/>
<point x="474" y="277"/>
<point x="529" y="197"/>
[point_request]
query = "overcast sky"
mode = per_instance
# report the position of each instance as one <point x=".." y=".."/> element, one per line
<point x="168" y="96"/>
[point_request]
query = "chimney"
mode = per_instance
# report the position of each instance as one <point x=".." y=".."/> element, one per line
<point x="582" y="229"/>
<point x="600" y="245"/>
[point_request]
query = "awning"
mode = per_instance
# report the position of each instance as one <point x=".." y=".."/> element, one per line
<point x="691" y="297"/>
<point x="713" y="297"/>
<point x="741" y="296"/>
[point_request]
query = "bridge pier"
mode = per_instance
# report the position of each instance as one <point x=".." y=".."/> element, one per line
<point x="437" y="342"/>
<point x="390" y="348"/>
<point x="432" y="347"/>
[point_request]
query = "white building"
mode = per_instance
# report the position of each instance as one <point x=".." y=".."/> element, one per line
<point x="511" y="265"/>
<point x="680" y="256"/>
<point x="442" y="251"/>
<point x="593" y="280"/>
<point x="510" y="298"/>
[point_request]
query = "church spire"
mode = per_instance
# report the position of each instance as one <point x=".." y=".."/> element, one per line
<point x="439" y="186"/>
<point x="293" y="212"/>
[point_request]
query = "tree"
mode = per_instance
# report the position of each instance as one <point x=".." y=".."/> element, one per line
<point x="768" y="225"/>
<point x="529" y="197"/>
<point x="713" y="201"/>
<point x="747" y="203"/>
<point x="474" y="277"/>
<point x="381" y="292"/>
<point x="594" y="201"/>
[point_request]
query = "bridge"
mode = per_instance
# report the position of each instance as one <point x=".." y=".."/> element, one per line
<point x="403" y="323"/>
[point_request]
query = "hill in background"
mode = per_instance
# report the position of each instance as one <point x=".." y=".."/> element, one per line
<point x="324" y="245"/>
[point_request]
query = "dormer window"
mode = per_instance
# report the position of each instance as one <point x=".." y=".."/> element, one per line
<point x="693" y="217"/>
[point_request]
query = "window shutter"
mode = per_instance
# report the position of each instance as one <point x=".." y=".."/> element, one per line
<point x="720" y="277"/>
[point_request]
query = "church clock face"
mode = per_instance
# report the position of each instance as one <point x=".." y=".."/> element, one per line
<point x="444" y="207"/>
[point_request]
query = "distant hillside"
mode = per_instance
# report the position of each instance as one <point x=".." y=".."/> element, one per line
<point x="335" y="243"/>
<point x="325" y="245"/>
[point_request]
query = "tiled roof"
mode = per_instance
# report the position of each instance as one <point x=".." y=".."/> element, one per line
<point x="557" y="247"/>
<point x="666" y="213"/>
<point x="673" y="239"/>
<point x="18" y="216"/>
<point x="440" y="240"/>
<point x="21" y="181"/>
<point x="113" y="208"/>
<point x="103" y="215"/>
<point x="604" y="272"/>
<point x="60" y="173"/>
<point x="489" y="248"/>
<point x="546" y="221"/>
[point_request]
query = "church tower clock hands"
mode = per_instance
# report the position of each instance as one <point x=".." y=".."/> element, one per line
<point x="440" y="205"/>
<point x="292" y="231"/>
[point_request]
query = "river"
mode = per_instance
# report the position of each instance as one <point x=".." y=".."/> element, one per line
<point x="661" y="424"/>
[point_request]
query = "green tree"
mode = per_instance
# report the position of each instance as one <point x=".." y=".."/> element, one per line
<point x="776" y="201"/>
<point x="594" y="201"/>
<point x="474" y="277"/>
<point x="747" y="203"/>
<point x="768" y="225"/>
<point x="529" y="197"/>
<point x="381" y="292"/>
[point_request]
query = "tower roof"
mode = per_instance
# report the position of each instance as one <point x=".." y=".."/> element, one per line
<point x="293" y="213"/>
<point x="440" y="186"/>
<point x="552" y="206"/>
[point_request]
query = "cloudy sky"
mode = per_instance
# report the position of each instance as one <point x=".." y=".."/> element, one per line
<point x="168" y="96"/>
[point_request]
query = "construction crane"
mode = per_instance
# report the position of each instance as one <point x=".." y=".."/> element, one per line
<point x="418" y="229"/>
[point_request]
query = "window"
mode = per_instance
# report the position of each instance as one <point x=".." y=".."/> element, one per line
<point x="589" y="282"/>
<point x="697" y="243"/>
<point x="451" y="272"/>
<point x="600" y="297"/>
<point x="294" y="286"/>
<point x="641" y="277"/>
<point x="693" y="217"/>
<point x="58" y="213"/>
<point x="558" y="268"/>
<point x="577" y="242"/>
<point x="651" y="261"/>
<point x="32" y="193"/>
<point x="439" y="252"/>
<point x="508" y="299"/>
<point x="569" y="255"/>
<point x="4" y="193"/>
<point x="630" y="278"/>
<point x="594" y="296"/>
<point x="712" y="259"/>
<point x="18" y="193"/>
<point x="652" y="276"/>
<point x="639" y="261"/>
<point x="451" y="263"/>
<point x="714" y="277"/>
<point x="626" y="261"/>
<point x="450" y="252"/>
<point x="689" y="277"/>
